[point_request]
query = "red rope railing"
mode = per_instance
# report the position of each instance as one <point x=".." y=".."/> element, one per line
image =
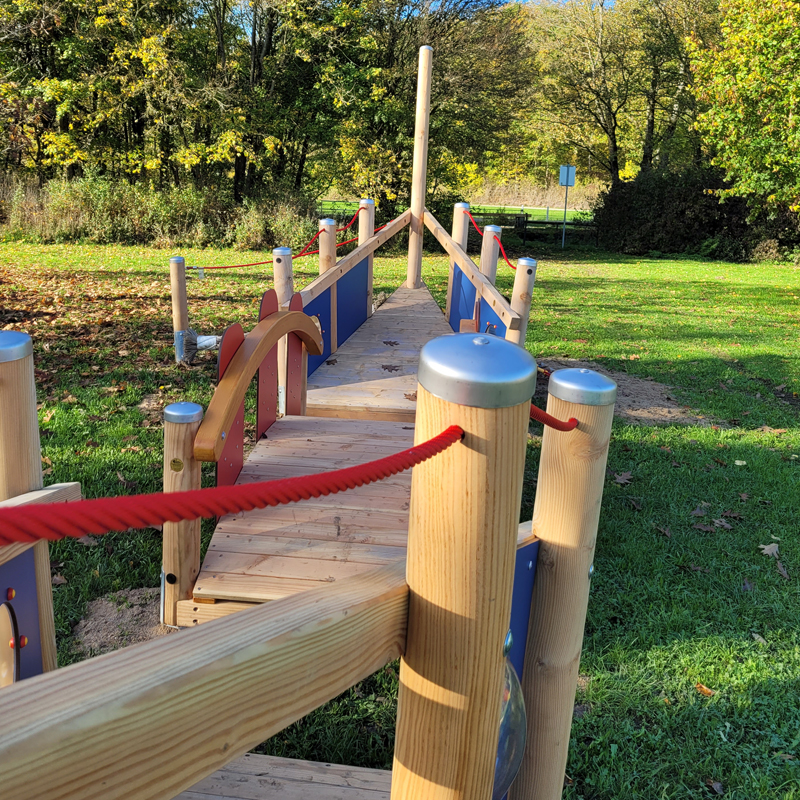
<point x="355" y="217"/>
<point x="548" y="419"/>
<point x="62" y="520"/>
<point x="496" y="238"/>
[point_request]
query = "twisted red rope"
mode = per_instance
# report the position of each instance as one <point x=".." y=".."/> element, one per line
<point x="355" y="217"/>
<point x="496" y="238"/>
<point x="547" y="419"/>
<point x="466" y="211"/>
<point x="62" y="520"/>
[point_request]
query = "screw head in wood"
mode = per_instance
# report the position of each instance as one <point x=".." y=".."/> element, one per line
<point x="477" y="371"/>
<point x="176" y="465"/>
<point x="14" y="345"/>
<point x="508" y="644"/>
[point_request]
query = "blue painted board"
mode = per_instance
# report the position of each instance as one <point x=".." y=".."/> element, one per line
<point x="19" y="574"/>
<point x="490" y="322"/>
<point x="352" y="301"/>
<point x="462" y="301"/>
<point x="521" y="602"/>
<point x="321" y="307"/>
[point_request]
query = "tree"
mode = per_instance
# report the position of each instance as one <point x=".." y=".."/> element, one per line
<point x="751" y="85"/>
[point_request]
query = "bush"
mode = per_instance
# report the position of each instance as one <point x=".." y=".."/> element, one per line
<point x="673" y="213"/>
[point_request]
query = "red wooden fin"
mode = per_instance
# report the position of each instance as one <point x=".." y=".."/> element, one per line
<point x="269" y="304"/>
<point x="296" y="365"/>
<point x="296" y="303"/>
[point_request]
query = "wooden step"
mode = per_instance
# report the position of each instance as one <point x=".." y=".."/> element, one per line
<point x="256" y="777"/>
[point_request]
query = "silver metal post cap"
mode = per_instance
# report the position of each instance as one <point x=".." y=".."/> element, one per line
<point x="582" y="386"/>
<point x="479" y="371"/>
<point x="183" y="412"/>
<point x="462" y="205"/>
<point x="526" y="262"/>
<point x="14" y="345"/>
<point x="282" y="251"/>
<point x="366" y="201"/>
<point x="177" y="260"/>
<point x="327" y="221"/>
<point x="495" y="229"/>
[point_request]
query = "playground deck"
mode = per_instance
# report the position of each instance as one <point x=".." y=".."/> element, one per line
<point x="374" y="373"/>
<point x="255" y="777"/>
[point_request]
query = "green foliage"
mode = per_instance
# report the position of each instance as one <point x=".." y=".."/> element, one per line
<point x="751" y="85"/>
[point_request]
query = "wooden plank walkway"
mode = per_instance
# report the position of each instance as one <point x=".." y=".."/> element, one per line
<point x="256" y="777"/>
<point x="268" y="553"/>
<point x="373" y="375"/>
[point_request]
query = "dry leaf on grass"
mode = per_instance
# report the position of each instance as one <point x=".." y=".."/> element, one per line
<point x="782" y="570"/>
<point x="715" y="785"/>
<point x="704" y="690"/>
<point x="622" y="478"/>
<point x="88" y="541"/>
<point x="698" y="512"/>
<point x="666" y="531"/>
<point x="747" y="586"/>
<point x="720" y="523"/>
<point x="770" y="549"/>
<point x="758" y="638"/>
<point x="707" y="528"/>
<point x="58" y="580"/>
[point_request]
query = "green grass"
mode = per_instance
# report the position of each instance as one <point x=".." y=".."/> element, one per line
<point x="665" y="612"/>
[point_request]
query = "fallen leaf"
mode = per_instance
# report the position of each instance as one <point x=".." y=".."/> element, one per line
<point x="778" y="388"/>
<point x="733" y="514"/>
<point x="701" y="527"/>
<point x="87" y="541"/>
<point x="390" y="343"/>
<point x="740" y="463"/>
<point x="125" y="482"/>
<point x="698" y="512"/>
<point x="758" y="638"/>
<point x="410" y="396"/>
<point x="770" y="549"/>
<point x="635" y="503"/>
<point x="622" y="478"/>
<point x="720" y="461"/>
<point x="390" y="368"/>
<point x="48" y="471"/>
<point x="767" y="429"/>
<point x="675" y="463"/>
<point x="782" y="570"/>
<point x="720" y="523"/>
<point x="704" y="690"/>
<point x="58" y="580"/>
<point x="46" y="460"/>
<point x="747" y="586"/>
<point x="744" y="496"/>
<point x="715" y="785"/>
<point x="332" y="361"/>
<point x="666" y="531"/>
<point x="695" y="568"/>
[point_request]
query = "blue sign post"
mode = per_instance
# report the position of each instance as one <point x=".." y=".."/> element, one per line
<point x="566" y="179"/>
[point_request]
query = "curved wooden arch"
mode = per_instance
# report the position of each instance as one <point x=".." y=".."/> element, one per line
<point x="231" y="390"/>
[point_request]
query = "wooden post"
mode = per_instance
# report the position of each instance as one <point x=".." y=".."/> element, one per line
<point x="327" y="260"/>
<point x="460" y="237"/>
<point x="366" y="228"/>
<point x="464" y="518"/>
<point x="490" y="251"/>
<point x="21" y="463"/>
<point x="180" y="308"/>
<point x="521" y="298"/>
<point x="284" y="288"/>
<point x="565" y="517"/>
<point x="420" y="167"/>
<point x="181" y="540"/>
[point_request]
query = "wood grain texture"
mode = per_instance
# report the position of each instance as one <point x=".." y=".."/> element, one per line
<point x="177" y="280"/>
<point x="44" y="595"/>
<point x="191" y="613"/>
<point x="566" y="512"/>
<point x="521" y="298"/>
<point x="375" y="370"/>
<point x="490" y="252"/>
<point x="149" y="721"/>
<point x="345" y="264"/>
<point x="366" y="230"/>
<point x="284" y="288"/>
<point x="229" y="394"/>
<point x="462" y="538"/>
<point x="180" y="540"/>
<point x="482" y="285"/>
<point x="419" y="167"/>
<point x="56" y="493"/>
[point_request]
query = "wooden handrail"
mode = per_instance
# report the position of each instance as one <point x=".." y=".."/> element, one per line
<point x="482" y="285"/>
<point x="151" y="720"/>
<point x="231" y="390"/>
<point x="345" y="264"/>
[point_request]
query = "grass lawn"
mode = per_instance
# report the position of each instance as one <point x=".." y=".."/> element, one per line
<point x="691" y="660"/>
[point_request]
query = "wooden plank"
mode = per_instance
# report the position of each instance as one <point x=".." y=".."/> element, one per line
<point x="57" y="493"/>
<point x="345" y="264"/>
<point x="181" y="706"/>
<point x="483" y="286"/>
<point x="320" y="549"/>
<point x="336" y="410"/>
<point x="283" y="567"/>
<point x="191" y="613"/>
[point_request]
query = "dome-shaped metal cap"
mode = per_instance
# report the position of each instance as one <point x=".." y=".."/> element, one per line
<point x="14" y="345"/>
<point x="462" y="205"/>
<point x="530" y="263"/>
<point x="183" y="412"/>
<point x="327" y="221"/>
<point x="583" y="386"/>
<point x="366" y="201"/>
<point x="282" y="251"/>
<point x="474" y="370"/>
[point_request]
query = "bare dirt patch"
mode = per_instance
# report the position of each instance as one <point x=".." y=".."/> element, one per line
<point x="119" y="619"/>
<point x="638" y="400"/>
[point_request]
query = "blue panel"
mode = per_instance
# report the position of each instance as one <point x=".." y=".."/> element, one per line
<point x="19" y="574"/>
<point x="488" y="317"/>
<point x="321" y="307"/>
<point x="462" y="302"/>
<point x="521" y="602"/>
<point x="352" y="301"/>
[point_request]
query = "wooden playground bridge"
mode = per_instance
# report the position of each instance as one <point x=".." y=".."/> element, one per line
<point x="319" y="594"/>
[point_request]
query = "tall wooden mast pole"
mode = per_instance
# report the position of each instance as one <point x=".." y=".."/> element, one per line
<point x="420" y="167"/>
